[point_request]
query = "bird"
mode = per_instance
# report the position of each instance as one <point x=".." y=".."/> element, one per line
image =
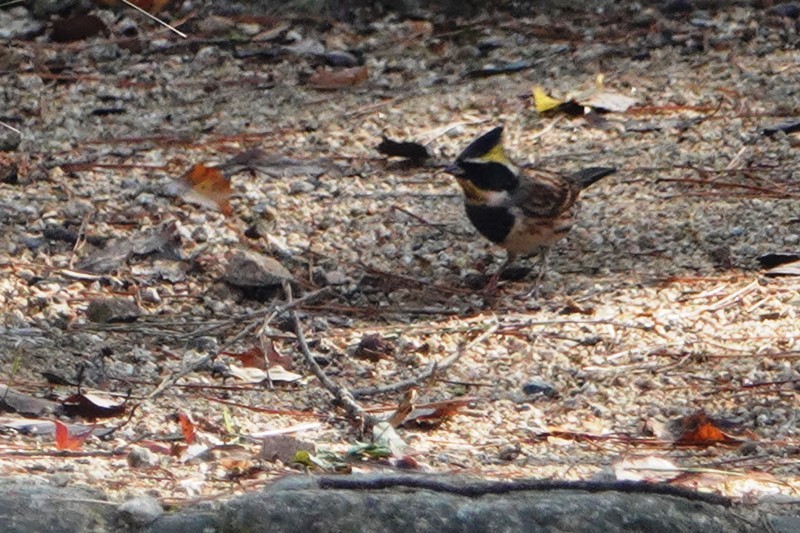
<point x="523" y="213"/>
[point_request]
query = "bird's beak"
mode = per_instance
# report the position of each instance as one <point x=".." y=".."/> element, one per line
<point x="454" y="169"/>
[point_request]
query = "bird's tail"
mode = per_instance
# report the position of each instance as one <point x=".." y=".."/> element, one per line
<point x="587" y="176"/>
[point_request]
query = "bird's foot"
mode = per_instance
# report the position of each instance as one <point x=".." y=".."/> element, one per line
<point x="514" y="273"/>
<point x="492" y="287"/>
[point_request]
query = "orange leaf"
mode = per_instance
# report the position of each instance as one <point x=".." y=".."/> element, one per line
<point x="65" y="441"/>
<point x="338" y="79"/>
<point x="432" y="415"/>
<point x="209" y="187"/>
<point x="252" y="357"/>
<point x="701" y="430"/>
<point x="187" y="428"/>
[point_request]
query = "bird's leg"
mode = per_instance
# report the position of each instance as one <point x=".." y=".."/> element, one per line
<point x="510" y="258"/>
<point x="544" y="255"/>
<point x="491" y="285"/>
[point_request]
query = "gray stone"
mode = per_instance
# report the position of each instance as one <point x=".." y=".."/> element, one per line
<point x="43" y="9"/>
<point x="30" y="504"/>
<point x="284" y="447"/>
<point x="12" y="400"/>
<point x="185" y="522"/>
<point x="139" y="511"/>
<point x="9" y="140"/>
<point x="403" y="509"/>
<point x="112" y="310"/>
<point x="15" y="24"/>
<point x="250" y="269"/>
<point x="418" y="503"/>
<point x="785" y="524"/>
<point x="141" y="457"/>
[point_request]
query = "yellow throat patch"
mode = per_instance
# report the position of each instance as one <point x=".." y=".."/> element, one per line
<point x="471" y="191"/>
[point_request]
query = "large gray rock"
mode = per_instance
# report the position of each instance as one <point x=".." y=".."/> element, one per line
<point x="435" y="503"/>
<point x="303" y="506"/>
<point x="31" y="504"/>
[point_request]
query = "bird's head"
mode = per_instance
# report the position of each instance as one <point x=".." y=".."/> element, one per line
<point x="483" y="167"/>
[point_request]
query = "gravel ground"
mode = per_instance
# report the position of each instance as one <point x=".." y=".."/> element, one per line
<point x="642" y="320"/>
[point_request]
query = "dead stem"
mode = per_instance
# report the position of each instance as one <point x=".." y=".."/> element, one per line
<point x="342" y="395"/>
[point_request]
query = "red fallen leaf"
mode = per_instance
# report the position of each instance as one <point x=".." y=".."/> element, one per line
<point x="433" y="414"/>
<point x="254" y="357"/>
<point x="187" y="428"/>
<point x="208" y="186"/>
<point x="177" y="449"/>
<point x="699" y="429"/>
<point x="65" y="441"/>
<point x="91" y="406"/>
<point x="338" y="79"/>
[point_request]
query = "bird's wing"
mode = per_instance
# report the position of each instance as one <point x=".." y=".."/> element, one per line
<point x="585" y="177"/>
<point x="544" y="195"/>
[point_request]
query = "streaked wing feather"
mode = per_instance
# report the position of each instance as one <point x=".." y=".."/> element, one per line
<point x="544" y="196"/>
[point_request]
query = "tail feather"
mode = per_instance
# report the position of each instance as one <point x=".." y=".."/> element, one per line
<point x="585" y="177"/>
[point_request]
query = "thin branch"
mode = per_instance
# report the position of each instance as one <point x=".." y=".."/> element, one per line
<point x="152" y="17"/>
<point x="9" y="126"/>
<point x="342" y="395"/>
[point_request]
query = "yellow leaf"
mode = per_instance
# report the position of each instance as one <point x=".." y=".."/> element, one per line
<point x="302" y="457"/>
<point x="543" y="101"/>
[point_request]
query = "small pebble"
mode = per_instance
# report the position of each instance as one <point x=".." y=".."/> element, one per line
<point x="539" y="388"/>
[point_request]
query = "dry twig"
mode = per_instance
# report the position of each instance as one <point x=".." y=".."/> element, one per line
<point x="342" y="395"/>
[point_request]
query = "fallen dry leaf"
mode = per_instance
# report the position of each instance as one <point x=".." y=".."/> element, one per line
<point x="187" y="428"/>
<point x="258" y="375"/>
<point x="651" y="469"/>
<point x="338" y="79"/>
<point x="65" y="441"/>
<point x="699" y="429"/>
<point x="93" y="405"/>
<point x="207" y="187"/>
<point x="254" y="357"/>
<point x="432" y="415"/>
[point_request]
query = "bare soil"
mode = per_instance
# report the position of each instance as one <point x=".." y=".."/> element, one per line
<point x="654" y="308"/>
